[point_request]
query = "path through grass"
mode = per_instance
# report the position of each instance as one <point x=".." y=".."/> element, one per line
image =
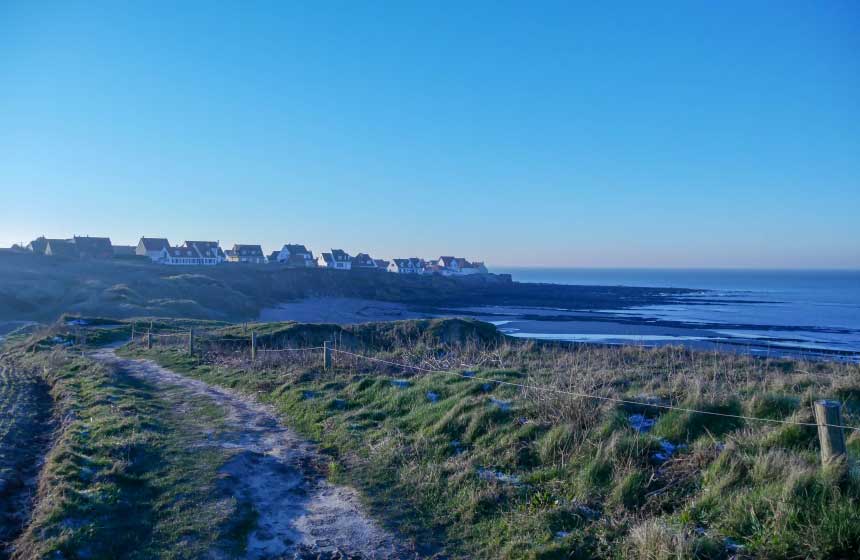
<point x="488" y="471"/>
<point x="127" y="476"/>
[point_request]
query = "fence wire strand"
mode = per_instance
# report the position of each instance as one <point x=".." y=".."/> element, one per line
<point x="537" y="388"/>
<point x="590" y="396"/>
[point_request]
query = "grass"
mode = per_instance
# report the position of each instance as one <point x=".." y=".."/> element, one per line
<point x="462" y="467"/>
<point x="25" y="427"/>
<point x="551" y="476"/>
<point x="42" y="288"/>
<point x="126" y="476"/>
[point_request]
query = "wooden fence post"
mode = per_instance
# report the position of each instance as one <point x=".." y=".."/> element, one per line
<point x="253" y="345"/>
<point x="191" y="342"/>
<point x="828" y="415"/>
<point x="149" y="339"/>
<point x="326" y="355"/>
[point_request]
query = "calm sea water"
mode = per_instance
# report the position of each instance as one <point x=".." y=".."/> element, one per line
<point x="796" y="309"/>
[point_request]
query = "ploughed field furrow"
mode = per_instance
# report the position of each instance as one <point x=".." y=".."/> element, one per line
<point x="25" y="426"/>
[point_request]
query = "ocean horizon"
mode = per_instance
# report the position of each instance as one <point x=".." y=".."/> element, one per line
<point x="790" y="312"/>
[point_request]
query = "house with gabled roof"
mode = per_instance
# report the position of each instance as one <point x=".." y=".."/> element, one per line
<point x="179" y="256"/>
<point x="296" y="256"/>
<point x="64" y="248"/>
<point x="412" y="265"/>
<point x="246" y="254"/>
<point x="381" y="264"/>
<point x="152" y="247"/>
<point x="363" y="261"/>
<point x="93" y="247"/>
<point x="209" y="251"/>
<point x="457" y="266"/>
<point x="337" y="259"/>
<point x="38" y="245"/>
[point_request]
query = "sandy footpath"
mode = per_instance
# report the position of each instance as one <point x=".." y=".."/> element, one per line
<point x="300" y="514"/>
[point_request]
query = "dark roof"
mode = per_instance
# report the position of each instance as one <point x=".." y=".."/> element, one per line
<point x="381" y="263"/>
<point x="340" y="255"/>
<point x="94" y="246"/>
<point x="183" y="252"/>
<point x="248" y="250"/>
<point x="363" y="259"/>
<point x="296" y="249"/>
<point x="61" y="248"/>
<point x="206" y="248"/>
<point x="273" y="256"/>
<point x="154" y="243"/>
<point x="38" y="245"/>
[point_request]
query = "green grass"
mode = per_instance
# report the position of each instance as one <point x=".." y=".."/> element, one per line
<point x="25" y="427"/>
<point x="542" y="476"/>
<point x="126" y="478"/>
<point x="588" y="484"/>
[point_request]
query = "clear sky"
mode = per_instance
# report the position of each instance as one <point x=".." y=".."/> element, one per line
<point x="522" y="133"/>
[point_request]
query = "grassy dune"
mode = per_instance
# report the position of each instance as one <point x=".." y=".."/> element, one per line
<point x="483" y="470"/>
<point x="43" y="288"/>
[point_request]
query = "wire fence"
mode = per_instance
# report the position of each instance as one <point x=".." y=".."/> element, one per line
<point x="246" y="348"/>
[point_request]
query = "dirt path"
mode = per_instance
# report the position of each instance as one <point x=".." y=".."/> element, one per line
<point x="299" y="514"/>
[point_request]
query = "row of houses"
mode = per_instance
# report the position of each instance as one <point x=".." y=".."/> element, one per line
<point x="209" y="253"/>
<point x="76" y="247"/>
<point x="159" y="250"/>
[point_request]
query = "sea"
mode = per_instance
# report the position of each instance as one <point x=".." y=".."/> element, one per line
<point x="807" y="313"/>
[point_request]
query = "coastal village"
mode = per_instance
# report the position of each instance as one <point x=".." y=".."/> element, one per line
<point x="209" y="253"/>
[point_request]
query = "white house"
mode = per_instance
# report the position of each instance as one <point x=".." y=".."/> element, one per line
<point x="152" y="247"/>
<point x="296" y="256"/>
<point x="450" y="264"/>
<point x="337" y="259"/>
<point x="407" y="266"/>
<point x="192" y="253"/>
<point x="180" y="256"/>
<point x="210" y="251"/>
<point x="456" y="266"/>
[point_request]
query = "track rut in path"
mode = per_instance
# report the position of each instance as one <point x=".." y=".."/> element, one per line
<point x="299" y="513"/>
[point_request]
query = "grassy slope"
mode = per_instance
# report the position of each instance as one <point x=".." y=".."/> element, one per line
<point x="25" y="412"/>
<point x="590" y="485"/>
<point x="121" y="479"/>
<point x="41" y="288"/>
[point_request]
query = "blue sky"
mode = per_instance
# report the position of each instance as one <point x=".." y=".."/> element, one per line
<point x="523" y="133"/>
